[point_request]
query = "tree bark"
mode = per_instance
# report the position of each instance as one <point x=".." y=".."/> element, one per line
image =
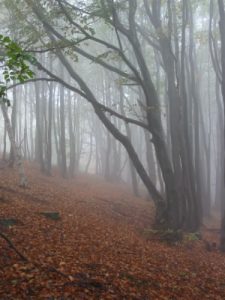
<point x="17" y="156"/>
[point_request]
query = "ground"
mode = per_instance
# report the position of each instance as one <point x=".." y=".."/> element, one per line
<point x="102" y="247"/>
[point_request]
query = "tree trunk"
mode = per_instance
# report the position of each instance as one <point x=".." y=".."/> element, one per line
<point x="17" y="156"/>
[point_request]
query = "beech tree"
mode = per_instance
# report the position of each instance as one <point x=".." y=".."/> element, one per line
<point x="13" y="68"/>
<point x="139" y="65"/>
<point x="178" y="173"/>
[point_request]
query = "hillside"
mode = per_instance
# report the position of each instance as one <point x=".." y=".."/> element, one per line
<point x="98" y="248"/>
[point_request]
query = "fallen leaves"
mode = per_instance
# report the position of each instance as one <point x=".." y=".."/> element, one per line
<point x="95" y="250"/>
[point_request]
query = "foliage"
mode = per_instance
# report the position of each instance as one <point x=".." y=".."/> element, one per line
<point x="192" y="236"/>
<point x="14" y="64"/>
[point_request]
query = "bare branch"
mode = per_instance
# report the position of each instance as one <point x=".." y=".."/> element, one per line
<point x="29" y="81"/>
<point x="10" y="243"/>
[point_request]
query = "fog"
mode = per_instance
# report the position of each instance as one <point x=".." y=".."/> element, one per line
<point x="130" y="91"/>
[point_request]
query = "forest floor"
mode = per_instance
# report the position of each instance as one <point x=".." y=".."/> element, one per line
<point x="100" y="248"/>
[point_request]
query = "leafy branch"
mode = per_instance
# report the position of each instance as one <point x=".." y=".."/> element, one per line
<point x="14" y="65"/>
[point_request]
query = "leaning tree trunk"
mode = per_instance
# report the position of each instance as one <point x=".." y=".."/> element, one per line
<point x="15" y="149"/>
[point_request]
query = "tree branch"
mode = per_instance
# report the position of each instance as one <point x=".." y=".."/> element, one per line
<point x="13" y="247"/>
<point x="70" y="44"/>
<point x="50" y="28"/>
<point x="102" y="42"/>
<point x="29" y="81"/>
<point x="100" y="106"/>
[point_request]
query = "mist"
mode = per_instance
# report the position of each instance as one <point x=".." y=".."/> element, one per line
<point x="122" y="97"/>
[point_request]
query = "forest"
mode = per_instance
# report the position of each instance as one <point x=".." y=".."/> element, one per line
<point x="112" y="149"/>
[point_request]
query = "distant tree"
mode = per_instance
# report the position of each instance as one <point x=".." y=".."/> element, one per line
<point x="13" y="68"/>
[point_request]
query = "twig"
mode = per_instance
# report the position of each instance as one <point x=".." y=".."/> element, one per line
<point x="13" y="247"/>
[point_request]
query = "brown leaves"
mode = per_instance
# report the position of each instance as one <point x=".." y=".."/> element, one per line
<point x="95" y="250"/>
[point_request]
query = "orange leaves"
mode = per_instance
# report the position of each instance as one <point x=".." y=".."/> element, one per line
<point x="96" y="250"/>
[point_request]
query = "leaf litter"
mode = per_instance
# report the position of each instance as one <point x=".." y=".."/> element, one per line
<point x="96" y="249"/>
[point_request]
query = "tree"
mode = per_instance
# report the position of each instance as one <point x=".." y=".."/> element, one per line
<point x="181" y="205"/>
<point x="13" y="68"/>
<point x="152" y="61"/>
<point x="222" y="36"/>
